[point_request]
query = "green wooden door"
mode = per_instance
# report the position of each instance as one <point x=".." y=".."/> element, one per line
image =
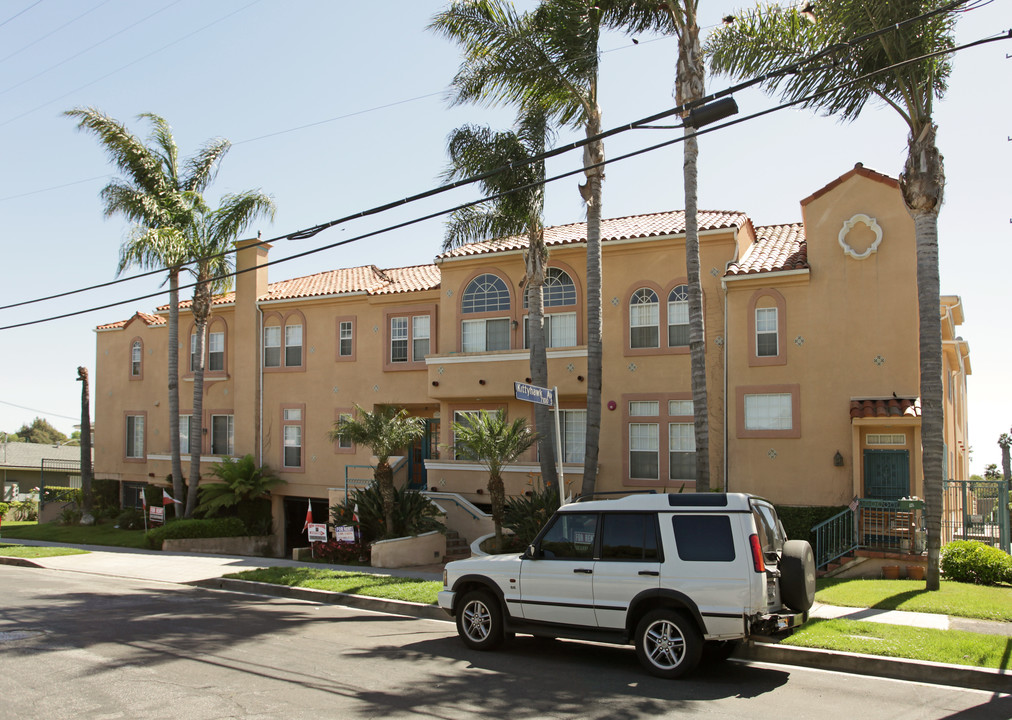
<point x="886" y="474"/>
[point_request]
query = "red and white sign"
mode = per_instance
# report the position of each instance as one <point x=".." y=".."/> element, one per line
<point x="157" y="513"/>
<point x="317" y="532"/>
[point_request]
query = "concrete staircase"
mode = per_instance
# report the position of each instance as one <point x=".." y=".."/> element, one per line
<point x="457" y="548"/>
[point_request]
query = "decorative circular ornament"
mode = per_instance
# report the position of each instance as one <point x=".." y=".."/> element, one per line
<point x="849" y="225"/>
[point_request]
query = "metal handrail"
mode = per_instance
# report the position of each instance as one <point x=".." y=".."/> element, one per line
<point x="834" y="538"/>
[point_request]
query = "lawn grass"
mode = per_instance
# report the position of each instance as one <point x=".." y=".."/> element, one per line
<point x="958" y="599"/>
<point x="26" y="551"/>
<point x="944" y="646"/>
<point x="354" y="583"/>
<point x="104" y="534"/>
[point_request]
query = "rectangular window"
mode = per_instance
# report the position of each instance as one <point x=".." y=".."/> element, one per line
<point x="703" y="538"/>
<point x="680" y="408"/>
<point x="678" y="323"/>
<point x="766" y="332"/>
<point x="681" y="451"/>
<point x="462" y="417"/>
<point x="485" y="335"/>
<point x="216" y="352"/>
<point x="293" y="346"/>
<point x="193" y="352"/>
<point x="135" y="436"/>
<point x="644" y="408"/>
<point x="643" y="321"/>
<point x="345" y="347"/>
<point x="293" y="446"/>
<point x="272" y="346"/>
<point x="769" y="411"/>
<point x="629" y="537"/>
<point x="644" y="451"/>
<point x="135" y="359"/>
<point x="222" y="434"/>
<point x="184" y="434"/>
<point x="419" y="338"/>
<point x="344" y="443"/>
<point x="398" y="339"/>
<point x="573" y="427"/>
<point x="886" y="439"/>
<point x="560" y="330"/>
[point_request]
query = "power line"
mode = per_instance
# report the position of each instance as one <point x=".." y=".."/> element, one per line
<point x="53" y="32"/>
<point x="36" y="410"/>
<point x="18" y="14"/>
<point x="577" y="171"/>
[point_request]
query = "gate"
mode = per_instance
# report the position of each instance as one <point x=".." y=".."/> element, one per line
<point x="51" y="465"/>
<point x="976" y="510"/>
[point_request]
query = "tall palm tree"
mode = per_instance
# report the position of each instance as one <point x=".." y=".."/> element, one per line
<point x="210" y="238"/>
<point x="384" y="431"/>
<point x="547" y="59"/>
<point x="160" y="198"/>
<point x="86" y="469"/>
<point x="768" y="38"/>
<point x="495" y="442"/>
<point x="516" y="207"/>
<point x="680" y="17"/>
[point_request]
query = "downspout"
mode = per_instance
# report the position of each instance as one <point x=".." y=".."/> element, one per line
<point x="260" y="387"/>
<point x="723" y="285"/>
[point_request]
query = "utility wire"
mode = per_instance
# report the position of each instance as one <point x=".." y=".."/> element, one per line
<point x="642" y="123"/>
<point x="560" y="176"/>
<point x="22" y="12"/>
<point x="53" y="32"/>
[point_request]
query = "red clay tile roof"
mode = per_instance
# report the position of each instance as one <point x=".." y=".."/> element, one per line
<point x="859" y="169"/>
<point x="777" y="248"/>
<point x="148" y="319"/>
<point x="636" y="226"/>
<point x="893" y="407"/>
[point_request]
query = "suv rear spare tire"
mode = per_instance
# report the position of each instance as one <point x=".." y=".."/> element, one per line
<point x="797" y="575"/>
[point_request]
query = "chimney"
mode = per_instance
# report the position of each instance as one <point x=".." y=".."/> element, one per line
<point x="250" y="284"/>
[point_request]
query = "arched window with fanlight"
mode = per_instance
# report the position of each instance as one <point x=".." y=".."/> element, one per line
<point x="644" y="316"/>
<point x="136" y="359"/>
<point x="558" y="292"/>
<point x="486" y="295"/>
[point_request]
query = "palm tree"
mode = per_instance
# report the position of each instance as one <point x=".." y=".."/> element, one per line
<point x="516" y="207"/>
<point x="845" y="79"/>
<point x="86" y="469"/>
<point x="210" y="239"/>
<point x="680" y="17"/>
<point x="239" y="481"/>
<point x="384" y="431"/>
<point x="495" y="443"/>
<point x="160" y="198"/>
<point x="546" y="59"/>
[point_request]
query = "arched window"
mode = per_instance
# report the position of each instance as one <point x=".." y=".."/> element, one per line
<point x="643" y="319"/>
<point x="678" y="317"/>
<point x="487" y="293"/>
<point x="136" y="355"/>
<point x="284" y="341"/>
<point x="560" y="327"/>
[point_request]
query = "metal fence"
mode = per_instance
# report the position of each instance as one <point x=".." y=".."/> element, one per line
<point x="976" y="510"/>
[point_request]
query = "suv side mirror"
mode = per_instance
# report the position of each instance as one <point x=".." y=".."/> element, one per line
<point x="531" y="553"/>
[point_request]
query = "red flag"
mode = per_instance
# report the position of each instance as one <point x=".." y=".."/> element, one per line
<point x="309" y="515"/>
<point x="166" y="498"/>
<point x="144" y="501"/>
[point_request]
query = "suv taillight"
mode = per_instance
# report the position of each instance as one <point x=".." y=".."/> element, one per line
<point x="757" y="554"/>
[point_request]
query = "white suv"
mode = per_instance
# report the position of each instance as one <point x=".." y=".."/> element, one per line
<point x="676" y="574"/>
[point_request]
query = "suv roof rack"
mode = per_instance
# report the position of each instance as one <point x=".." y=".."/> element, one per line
<point x="623" y="493"/>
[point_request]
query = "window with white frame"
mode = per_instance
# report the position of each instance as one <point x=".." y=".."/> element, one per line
<point x="398" y="339"/>
<point x="487" y="293"/>
<point x="886" y="439"/>
<point x="346" y="338"/>
<point x="769" y="411"/>
<point x="216" y="352"/>
<point x="272" y="346"/>
<point x="222" y="437"/>
<point x="560" y="330"/>
<point x="678" y="317"/>
<point x="644" y="440"/>
<point x="410" y="338"/>
<point x="193" y="352"/>
<point x="462" y="417"/>
<point x="681" y="451"/>
<point x="573" y="428"/>
<point x="136" y="355"/>
<point x="644" y="315"/>
<point x="419" y="337"/>
<point x="485" y="335"/>
<point x="292" y="424"/>
<point x="766" y="332"/>
<point x="184" y="434"/>
<point x="135" y="436"/>
<point x="293" y="345"/>
<point x="344" y="443"/>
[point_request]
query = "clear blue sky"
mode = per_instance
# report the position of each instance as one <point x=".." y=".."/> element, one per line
<point x="335" y="107"/>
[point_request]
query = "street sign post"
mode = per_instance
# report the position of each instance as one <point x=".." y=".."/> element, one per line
<point x="545" y="396"/>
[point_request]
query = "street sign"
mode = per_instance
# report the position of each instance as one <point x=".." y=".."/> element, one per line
<point x="534" y="394"/>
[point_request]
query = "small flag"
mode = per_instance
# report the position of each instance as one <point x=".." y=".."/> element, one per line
<point x="354" y="514"/>
<point x="166" y="498"/>
<point x="309" y="516"/>
<point x="144" y="501"/>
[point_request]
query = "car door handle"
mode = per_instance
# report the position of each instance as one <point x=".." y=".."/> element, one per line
<point x="652" y="573"/>
<point x="585" y="571"/>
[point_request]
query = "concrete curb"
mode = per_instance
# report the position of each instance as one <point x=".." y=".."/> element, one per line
<point x="876" y="666"/>
<point x="20" y="562"/>
<point x="396" y="607"/>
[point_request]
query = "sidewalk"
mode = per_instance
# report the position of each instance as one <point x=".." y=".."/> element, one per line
<point x="207" y="571"/>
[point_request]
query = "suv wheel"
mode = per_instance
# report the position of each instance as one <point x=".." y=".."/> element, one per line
<point x="668" y="644"/>
<point x="479" y="621"/>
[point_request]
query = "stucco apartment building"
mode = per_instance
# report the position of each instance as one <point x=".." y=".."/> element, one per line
<point x="811" y="347"/>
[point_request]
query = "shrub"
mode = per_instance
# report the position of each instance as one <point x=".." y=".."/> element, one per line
<point x="527" y="514"/>
<point x="799" y="521"/>
<point x="213" y="528"/>
<point x="414" y="514"/>
<point x="971" y="561"/>
<point x="25" y="510"/>
<point x="71" y="516"/>
<point x="4" y="507"/>
<point x="337" y="553"/>
<point x="130" y="519"/>
<point x="55" y="493"/>
<point x="105" y="498"/>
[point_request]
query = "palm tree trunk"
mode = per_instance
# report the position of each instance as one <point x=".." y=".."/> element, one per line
<point x="592" y="155"/>
<point x="177" y="462"/>
<point x="201" y="311"/>
<point x="384" y="475"/>
<point x="536" y="257"/>
<point x="497" y="496"/>
<point x="86" y="471"/>
<point x="922" y="183"/>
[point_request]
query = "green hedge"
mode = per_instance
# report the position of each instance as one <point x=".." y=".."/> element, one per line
<point x="56" y="493"/>
<point x="971" y="561"/>
<point x="178" y="529"/>
<point x="799" y="521"/>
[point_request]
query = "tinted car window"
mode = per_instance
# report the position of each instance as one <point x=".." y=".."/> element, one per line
<point x="703" y="538"/>
<point x="571" y="536"/>
<point x="771" y="534"/>
<point x="629" y="537"/>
